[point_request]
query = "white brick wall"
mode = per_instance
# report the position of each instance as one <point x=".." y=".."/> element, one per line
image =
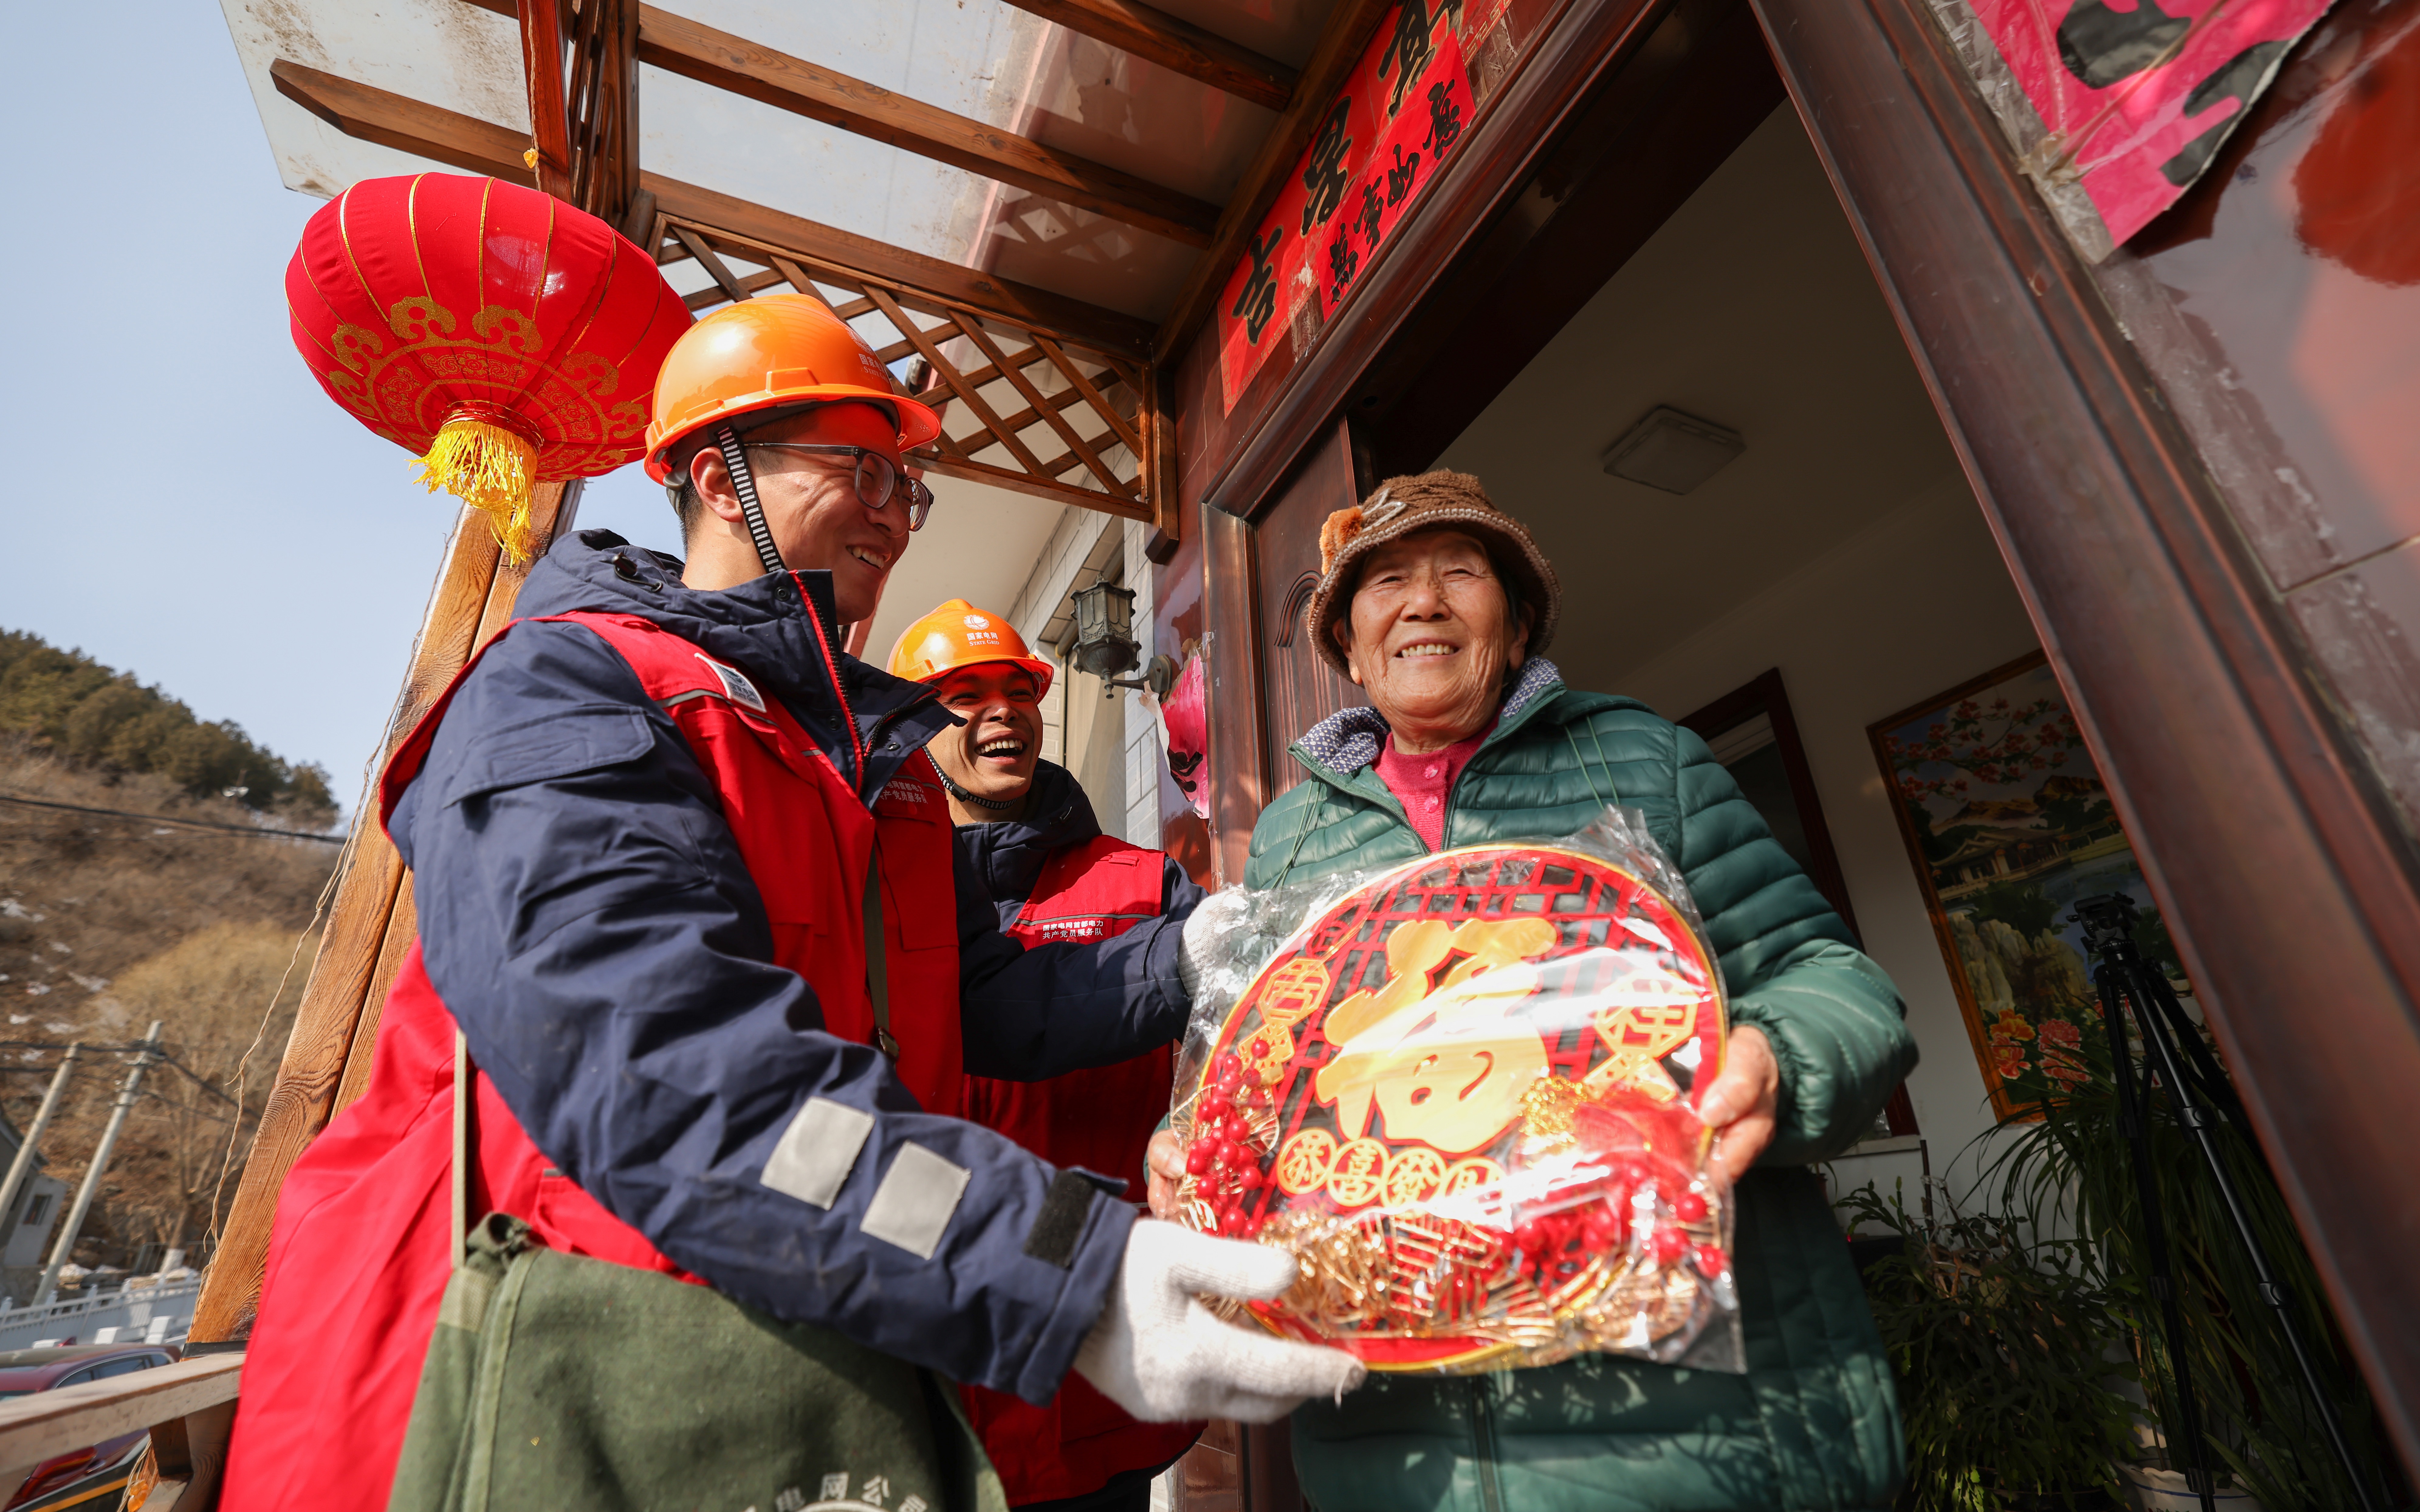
<point x="1040" y="613"/>
<point x="1144" y="756"/>
<point x="1085" y="546"/>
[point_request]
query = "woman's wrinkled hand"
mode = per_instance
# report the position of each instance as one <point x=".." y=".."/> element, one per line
<point x="1741" y="1106"/>
<point x="1166" y="1162"/>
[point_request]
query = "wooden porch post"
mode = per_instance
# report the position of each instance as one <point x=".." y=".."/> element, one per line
<point x="327" y="1061"/>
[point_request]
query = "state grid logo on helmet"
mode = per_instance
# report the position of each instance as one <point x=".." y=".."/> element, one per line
<point x="976" y="622"/>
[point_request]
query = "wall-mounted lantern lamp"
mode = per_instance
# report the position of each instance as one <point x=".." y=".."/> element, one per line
<point x="1104" y="643"/>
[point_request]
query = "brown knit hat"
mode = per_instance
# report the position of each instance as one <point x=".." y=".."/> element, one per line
<point x="1420" y="502"/>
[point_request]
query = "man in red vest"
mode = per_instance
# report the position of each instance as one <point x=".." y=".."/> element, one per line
<point x="685" y="885"/>
<point x="1028" y="831"/>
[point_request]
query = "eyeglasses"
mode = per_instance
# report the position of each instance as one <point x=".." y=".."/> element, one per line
<point x="876" y="477"/>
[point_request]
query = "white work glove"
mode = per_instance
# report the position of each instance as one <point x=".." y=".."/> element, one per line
<point x="1206" y="928"/>
<point x="1161" y="1355"/>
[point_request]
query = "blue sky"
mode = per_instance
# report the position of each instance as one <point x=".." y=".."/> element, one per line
<point x="188" y="506"/>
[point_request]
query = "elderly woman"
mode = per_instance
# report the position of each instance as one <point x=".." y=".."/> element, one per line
<point x="1437" y="605"/>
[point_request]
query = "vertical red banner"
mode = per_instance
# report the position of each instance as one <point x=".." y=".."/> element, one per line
<point x="1432" y="110"/>
<point x="1399" y="118"/>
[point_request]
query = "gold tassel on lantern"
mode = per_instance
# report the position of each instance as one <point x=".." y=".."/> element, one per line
<point x="490" y="469"/>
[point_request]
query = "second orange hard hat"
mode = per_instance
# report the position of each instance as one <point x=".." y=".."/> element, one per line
<point x="960" y="635"/>
<point x="768" y="353"/>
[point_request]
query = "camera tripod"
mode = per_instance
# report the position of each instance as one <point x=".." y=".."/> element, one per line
<point x="2174" y="1052"/>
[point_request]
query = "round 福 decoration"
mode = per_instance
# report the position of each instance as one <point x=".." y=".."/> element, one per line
<point x="1461" y="1096"/>
<point x="502" y="337"/>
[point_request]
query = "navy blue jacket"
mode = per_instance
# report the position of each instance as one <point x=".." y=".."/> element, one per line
<point x="1008" y="854"/>
<point x="585" y="916"/>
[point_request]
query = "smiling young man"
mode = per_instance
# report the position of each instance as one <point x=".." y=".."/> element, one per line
<point x="687" y="885"/>
<point x="1028" y="831"/>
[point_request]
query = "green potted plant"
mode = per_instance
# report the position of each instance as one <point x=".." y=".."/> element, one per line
<point x="2001" y="1346"/>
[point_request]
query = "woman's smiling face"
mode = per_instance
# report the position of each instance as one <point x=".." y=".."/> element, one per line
<point x="1430" y="638"/>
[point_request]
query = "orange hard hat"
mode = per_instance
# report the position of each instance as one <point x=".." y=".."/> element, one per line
<point x="769" y="353"/>
<point x="960" y="635"/>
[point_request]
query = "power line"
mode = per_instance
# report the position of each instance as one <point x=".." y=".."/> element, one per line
<point x="167" y="819"/>
<point x="157" y="1052"/>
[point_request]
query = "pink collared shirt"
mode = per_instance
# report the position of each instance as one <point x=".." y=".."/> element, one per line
<point x="1422" y="783"/>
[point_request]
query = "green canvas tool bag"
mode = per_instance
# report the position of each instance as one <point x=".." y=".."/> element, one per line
<point x="556" y="1380"/>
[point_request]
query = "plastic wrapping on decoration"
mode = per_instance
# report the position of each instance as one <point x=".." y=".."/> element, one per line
<point x="1460" y="1091"/>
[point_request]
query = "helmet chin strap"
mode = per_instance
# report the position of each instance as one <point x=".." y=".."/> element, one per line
<point x="963" y="796"/>
<point x="743" y="483"/>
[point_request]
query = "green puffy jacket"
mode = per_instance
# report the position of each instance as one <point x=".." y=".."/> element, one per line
<point x="1814" y="1424"/>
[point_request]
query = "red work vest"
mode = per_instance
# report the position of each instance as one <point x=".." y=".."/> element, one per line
<point x="358" y="1255"/>
<point x="1101" y="1120"/>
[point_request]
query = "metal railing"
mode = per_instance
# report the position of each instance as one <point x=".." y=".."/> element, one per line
<point x="144" y="1310"/>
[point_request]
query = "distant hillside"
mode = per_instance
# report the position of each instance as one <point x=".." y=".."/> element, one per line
<point x="108" y="922"/>
<point x="103" y="719"/>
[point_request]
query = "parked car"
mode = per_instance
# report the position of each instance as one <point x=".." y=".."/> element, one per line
<point x="85" y="1476"/>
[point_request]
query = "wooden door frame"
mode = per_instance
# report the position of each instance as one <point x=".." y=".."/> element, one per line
<point x="1238" y="758"/>
<point x="2264" y="839"/>
<point x="2265" y="843"/>
<point x="1764" y="694"/>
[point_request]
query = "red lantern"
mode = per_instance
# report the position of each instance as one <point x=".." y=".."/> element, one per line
<point x="504" y="336"/>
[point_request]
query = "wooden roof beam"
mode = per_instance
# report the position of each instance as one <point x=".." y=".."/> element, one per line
<point x="393" y="120"/>
<point x="696" y="51"/>
<point x="1026" y="483"/>
<point x="542" y="71"/>
<point x="1349" y="28"/>
<point x="1175" y="44"/>
<point x="1020" y="304"/>
<point x="474" y="145"/>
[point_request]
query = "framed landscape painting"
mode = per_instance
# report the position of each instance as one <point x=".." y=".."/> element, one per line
<point x="2007" y="824"/>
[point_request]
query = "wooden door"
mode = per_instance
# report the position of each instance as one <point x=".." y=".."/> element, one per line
<point x="1300" y="688"/>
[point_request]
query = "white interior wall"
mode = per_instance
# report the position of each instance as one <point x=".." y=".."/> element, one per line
<point x="1843" y="546"/>
<point x="1145" y="755"/>
<point x="1916" y="603"/>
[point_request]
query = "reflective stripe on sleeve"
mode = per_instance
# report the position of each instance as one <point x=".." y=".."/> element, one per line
<point x="912" y="1206"/>
<point x="817" y="1152"/>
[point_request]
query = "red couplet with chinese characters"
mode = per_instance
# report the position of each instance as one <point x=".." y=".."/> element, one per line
<point x="1461" y="1098"/>
<point x="1379" y="143"/>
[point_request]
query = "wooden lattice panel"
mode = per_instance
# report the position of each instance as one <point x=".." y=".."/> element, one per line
<point x="1023" y="405"/>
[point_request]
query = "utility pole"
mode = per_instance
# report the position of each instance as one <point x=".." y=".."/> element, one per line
<point x="23" y="1166"/>
<point x="66" y="1244"/>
